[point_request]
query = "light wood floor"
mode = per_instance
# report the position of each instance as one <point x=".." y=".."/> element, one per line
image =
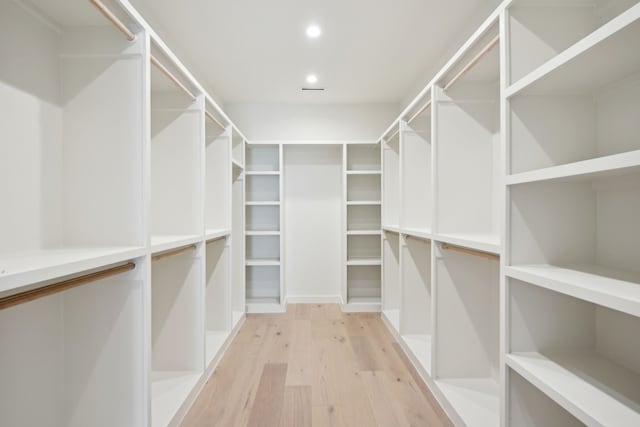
<point x="315" y="366"/>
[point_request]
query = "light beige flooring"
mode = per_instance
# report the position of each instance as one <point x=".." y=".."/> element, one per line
<point x="315" y="366"/>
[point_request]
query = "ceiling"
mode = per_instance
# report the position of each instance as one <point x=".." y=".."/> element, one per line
<point x="371" y="51"/>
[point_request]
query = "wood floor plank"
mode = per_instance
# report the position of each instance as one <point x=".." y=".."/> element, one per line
<point x="300" y="366"/>
<point x="364" y="353"/>
<point x="327" y="416"/>
<point x="269" y="400"/>
<point x="385" y="408"/>
<point x="296" y="410"/>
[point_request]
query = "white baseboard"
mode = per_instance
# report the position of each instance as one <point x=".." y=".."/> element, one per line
<point x="313" y="299"/>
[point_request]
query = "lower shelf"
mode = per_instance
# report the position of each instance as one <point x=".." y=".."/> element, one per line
<point x="420" y="346"/>
<point x="214" y="342"/>
<point x="475" y="400"/>
<point x="169" y="391"/>
<point x="576" y="382"/>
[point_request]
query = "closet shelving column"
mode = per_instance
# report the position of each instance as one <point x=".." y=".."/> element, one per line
<point x="363" y="263"/>
<point x="65" y="130"/>
<point x="466" y="268"/>
<point x="177" y="227"/>
<point x="416" y="201"/>
<point x="572" y="273"/>
<point x="217" y="159"/>
<point x="264" y="285"/>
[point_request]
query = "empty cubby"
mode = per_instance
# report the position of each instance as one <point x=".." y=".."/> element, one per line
<point x="363" y="157"/>
<point x="262" y="188"/>
<point x="363" y="188"/>
<point x="263" y="248"/>
<point x="363" y="218"/>
<point x="363" y="248"/>
<point x="263" y="158"/>
<point x="263" y="218"/>
<point x="363" y="284"/>
<point x="263" y="284"/>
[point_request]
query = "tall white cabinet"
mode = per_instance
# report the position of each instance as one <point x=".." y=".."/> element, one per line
<point x="510" y="203"/>
<point x="117" y="260"/>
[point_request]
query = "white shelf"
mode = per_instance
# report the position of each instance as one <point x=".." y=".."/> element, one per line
<point x="364" y="172"/>
<point x="364" y="300"/>
<point x="475" y="400"/>
<point x="364" y="232"/>
<point x="364" y="261"/>
<point x="262" y="233"/>
<point x="237" y="164"/>
<point x="392" y="228"/>
<point x="594" y="390"/>
<point x="169" y="390"/>
<point x="420" y="346"/>
<point x="37" y="266"/>
<point x="214" y="342"/>
<point x="599" y="285"/>
<point x="603" y="56"/>
<point x="363" y="202"/>
<point x="212" y="234"/>
<point x="587" y="169"/>
<point x="161" y="243"/>
<point x="482" y="242"/>
<point x="262" y="173"/>
<point x="270" y="203"/>
<point x="420" y="233"/>
<point x="263" y="262"/>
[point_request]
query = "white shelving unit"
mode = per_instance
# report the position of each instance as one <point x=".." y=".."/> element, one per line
<point x="416" y="214"/>
<point x="64" y="210"/>
<point x="416" y="300"/>
<point x="121" y="157"/>
<point x="468" y="155"/>
<point x="573" y="256"/>
<point x="391" y="287"/>
<point x="177" y="146"/>
<point x="467" y="334"/>
<point x="74" y="358"/>
<point x="362" y="277"/>
<point x="218" y="313"/>
<point x="177" y="328"/>
<point x="391" y="179"/>
<point x="217" y="187"/>
<point x="264" y="284"/>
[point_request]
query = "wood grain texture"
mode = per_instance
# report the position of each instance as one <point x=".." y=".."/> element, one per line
<point x="315" y="366"/>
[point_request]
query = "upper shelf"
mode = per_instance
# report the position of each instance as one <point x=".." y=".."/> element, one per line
<point x="607" y="55"/>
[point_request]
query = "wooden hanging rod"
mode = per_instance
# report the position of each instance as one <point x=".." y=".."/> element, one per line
<point x="54" y="288"/>
<point x="424" y="107"/>
<point x="473" y="61"/>
<point x="113" y="19"/>
<point x="173" y="252"/>
<point x="469" y="251"/>
<point x="171" y="77"/>
<point x="213" y="118"/>
<point x="392" y="135"/>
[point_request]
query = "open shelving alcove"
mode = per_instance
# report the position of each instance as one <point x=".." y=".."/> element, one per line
<point x="416" y="198"/>
<point x="65" y="130"/>
<point x="467" y="147"/>
<point x="74" y="358"/>
<point x="263" y="235"/>
<point x="177" y="146"/>
<point x="217" y="182"/>
<point x="416" y="303"/>
<point x="177" y="329"/>
<point x="218" y="314"/>
<point x="391" y="286"/>
<point x="467" y="332"/>
<point x="363" y="194"/>
<point x="391" y="188"/>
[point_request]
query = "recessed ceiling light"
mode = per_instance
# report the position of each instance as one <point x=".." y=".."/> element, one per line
<point x="313" y="31"/>
<point x="312" y="78"/>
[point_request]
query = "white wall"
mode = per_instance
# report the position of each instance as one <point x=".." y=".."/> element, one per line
<point x="312" y="122"/>
<point x="312" y="218"/>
